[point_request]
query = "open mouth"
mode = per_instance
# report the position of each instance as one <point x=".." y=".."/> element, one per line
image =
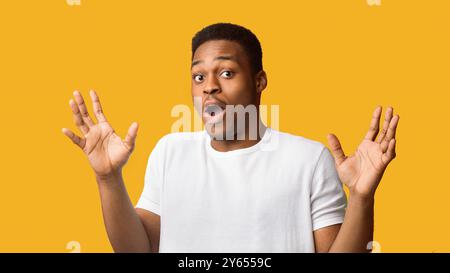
<point x="213" y="113"/>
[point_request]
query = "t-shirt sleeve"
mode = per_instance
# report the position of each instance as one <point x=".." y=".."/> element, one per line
<point x="154" y="176"/>
<point x="328" y="199"/>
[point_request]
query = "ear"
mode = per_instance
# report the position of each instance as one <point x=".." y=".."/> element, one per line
<point x="261" y="81"/>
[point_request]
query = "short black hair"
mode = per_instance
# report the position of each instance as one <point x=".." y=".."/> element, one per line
<point x="232" y="32"/>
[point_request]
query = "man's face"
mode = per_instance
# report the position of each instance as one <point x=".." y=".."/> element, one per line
<point x="222" y="75"/>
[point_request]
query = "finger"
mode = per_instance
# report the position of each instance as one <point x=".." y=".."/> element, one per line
<point x="336" y="149"/>
<point x="390" y="133"/>
<point x="374" y="124"/>
<point x="130" y="139"/>
<point x="80" y="142"/>
<point x="83" y="109"/>
<point x="98" y="111"/>
<point x="387" y="120"/>
<point x="390" y="153"/>
<point x="77" y="118"/>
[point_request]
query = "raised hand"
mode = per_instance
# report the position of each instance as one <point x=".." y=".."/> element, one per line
<point x="106" y="151"/>
<point x="362" y="171"/>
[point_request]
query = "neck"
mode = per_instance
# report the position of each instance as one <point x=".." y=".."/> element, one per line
<point x="235" y="144"/>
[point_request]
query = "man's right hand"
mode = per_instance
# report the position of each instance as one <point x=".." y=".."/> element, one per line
<point x="106" y="151"/>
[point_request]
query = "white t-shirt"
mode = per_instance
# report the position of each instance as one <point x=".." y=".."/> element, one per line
<point x="269" y="197"/>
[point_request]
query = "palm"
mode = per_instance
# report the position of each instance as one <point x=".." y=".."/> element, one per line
<point x="105" y="150"/>
<point x="364" y="166"/>
<point x="362" y="171"/>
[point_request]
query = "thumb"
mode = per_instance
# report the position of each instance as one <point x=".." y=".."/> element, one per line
<point x="336" y="148"/>
<point x="130" y="139"/>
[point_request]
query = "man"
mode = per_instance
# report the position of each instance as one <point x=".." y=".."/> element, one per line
<point x="235" y="188"/>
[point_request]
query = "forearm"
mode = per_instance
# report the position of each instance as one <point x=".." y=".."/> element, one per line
<point x="125" y="230"/>
<point x="357" y="230"/>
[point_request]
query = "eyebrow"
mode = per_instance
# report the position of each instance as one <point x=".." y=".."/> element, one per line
<point x="228" y="58"/>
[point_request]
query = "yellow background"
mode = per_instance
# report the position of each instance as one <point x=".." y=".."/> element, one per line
<point x="329" y="63"/>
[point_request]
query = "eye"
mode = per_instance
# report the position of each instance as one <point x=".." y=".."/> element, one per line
<point x="198" y="78"/>
<point x="227" y="74"/>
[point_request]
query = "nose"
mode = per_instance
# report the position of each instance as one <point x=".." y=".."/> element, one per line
<point x="211" y="86"/>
